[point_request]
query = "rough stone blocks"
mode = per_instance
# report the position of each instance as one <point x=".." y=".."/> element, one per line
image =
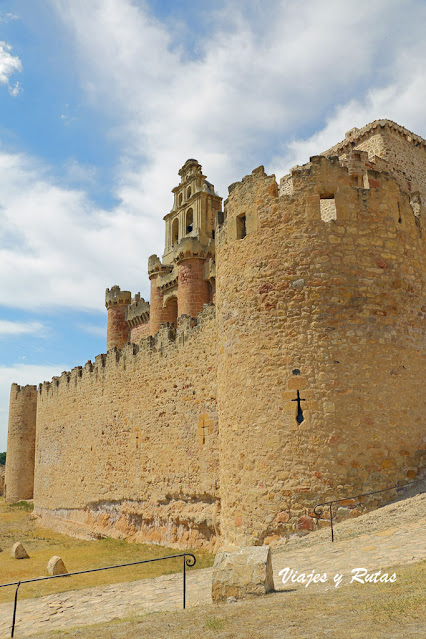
<point x="242" y="574"/>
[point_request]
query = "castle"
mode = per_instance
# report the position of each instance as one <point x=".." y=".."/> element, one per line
<point x="278" y="364"/>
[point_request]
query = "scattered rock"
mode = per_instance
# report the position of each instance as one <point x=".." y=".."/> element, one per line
<point x="241" y="574"/>
<point x="19" y="552"/>
<point x="56" y="566"/>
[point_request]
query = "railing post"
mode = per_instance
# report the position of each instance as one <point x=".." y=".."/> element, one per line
<point x="184" y="581"/>
<point x="331" y="522"/>
<point x="14" y="609"/>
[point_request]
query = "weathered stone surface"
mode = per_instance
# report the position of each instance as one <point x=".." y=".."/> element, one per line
<point x="56" y="566"/>
<point x="244" y="573"/>
<point x="1" y="479"/>
<point x="309" y="365"/>
<point x="18" y="551"/>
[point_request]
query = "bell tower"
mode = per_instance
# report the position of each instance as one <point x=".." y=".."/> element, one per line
<point x="184" y="281"/>
<point x="194" y="209"/>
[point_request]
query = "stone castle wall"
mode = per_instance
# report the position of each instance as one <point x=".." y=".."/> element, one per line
<point x="139" y="332"/>
<point x="304" y="385"/>
<point x="403" y="151"/>
<point x="333" y="310"/>
<point x="130" y="442"/>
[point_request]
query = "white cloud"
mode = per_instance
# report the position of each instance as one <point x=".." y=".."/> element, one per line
<point x="78" y="173"/>
<point x="93" y="329"/>
<point x="241" y="101"/>
<point x="255" y="81"/>
<point x="9" y="65"/>
<point x="6" y="17"/>
<point x="21" y="328"/>
<point x="58" y="248"/>
<point x="20" y="374"/>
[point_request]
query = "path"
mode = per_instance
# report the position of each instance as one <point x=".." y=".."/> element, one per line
<point x="395" y="534"/>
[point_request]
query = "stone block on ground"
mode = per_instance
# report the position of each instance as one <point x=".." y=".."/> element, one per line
<point x="242" y="574"/>
<point x="56" y="566"/>
<point x="19" y="552"/>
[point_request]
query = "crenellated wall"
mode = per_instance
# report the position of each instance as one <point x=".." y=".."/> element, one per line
<point x="324" y="308"/>
<point x="304" y="383"/>
<point x="136" y="432"/>
<point x="403" y="151"/>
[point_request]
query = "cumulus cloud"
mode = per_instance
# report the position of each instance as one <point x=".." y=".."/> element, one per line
<point x="256" y="90"/>
<point x="9" y="65"/>
<point x="8" y="328"/>
<point x="58" y="248"/>
<point x="260" y="77"/>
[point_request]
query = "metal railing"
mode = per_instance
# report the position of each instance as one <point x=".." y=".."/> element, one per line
<point x="319" y="508"/>
<point x="188" y="560"/>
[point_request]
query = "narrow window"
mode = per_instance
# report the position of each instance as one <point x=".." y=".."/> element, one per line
<point x="328" y="208"/>
<point x="175" y="230"/>
<point x="241" y="227"/>
<point x="189" y="221"/>
<point x="188" y="193"/>
<point x="180" y="199"/>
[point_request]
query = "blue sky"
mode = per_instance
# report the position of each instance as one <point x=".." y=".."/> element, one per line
<point x="102" y="101"/>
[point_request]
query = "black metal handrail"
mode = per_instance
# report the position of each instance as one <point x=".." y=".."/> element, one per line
<point x="317" y="513"/>
<point x="188" y="560"/>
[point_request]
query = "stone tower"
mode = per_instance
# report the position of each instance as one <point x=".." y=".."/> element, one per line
<point x="19" y="478"/>
<point x="184" y="280"/>
<point x="117" y="301"/>
<point x="320" y="381"/>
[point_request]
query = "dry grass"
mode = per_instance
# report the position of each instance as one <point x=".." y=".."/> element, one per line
<point x="354" y="612"/>
<point x="16" y="525"/>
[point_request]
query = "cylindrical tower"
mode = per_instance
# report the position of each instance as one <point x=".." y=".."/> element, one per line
<point x="19" y="478"/>
<point x="158" y="315"/>
<point x="193" y="289"/>
<point x="116" y="301"/>
<point x="320" y="374"/>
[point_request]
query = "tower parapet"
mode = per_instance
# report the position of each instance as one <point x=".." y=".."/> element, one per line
<point x="116" y="301"/>
<point x="137" y="318"/>
<point x="19" y="478"/>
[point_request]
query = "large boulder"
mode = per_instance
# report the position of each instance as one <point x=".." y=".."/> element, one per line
<point x="241" y="574"/>
<point x="19" y="552"/>
<point x="56" y="566"/>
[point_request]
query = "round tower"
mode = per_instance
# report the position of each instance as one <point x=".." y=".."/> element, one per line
<point x="19" y="477"/>
<point x="116" y="301"/>
<point x="158" y="314"/>
<point x="320" y="374"/>
<point x="193" y="288"/>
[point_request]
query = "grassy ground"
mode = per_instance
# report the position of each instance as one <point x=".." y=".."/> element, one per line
<point x="354" y="611"/>
<point x="16" y="524"/>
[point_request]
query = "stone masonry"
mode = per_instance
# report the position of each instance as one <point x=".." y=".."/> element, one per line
<point x="277" y="365"/>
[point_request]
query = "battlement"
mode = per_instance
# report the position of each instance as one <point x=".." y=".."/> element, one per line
<point x="355" y="135"/>
<point x="116" y="297"/>
<point x="162" y="344"/>
<point x="17" y="388"/>
<point x="137" y="311"/>
<point x="404" y="152"/>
